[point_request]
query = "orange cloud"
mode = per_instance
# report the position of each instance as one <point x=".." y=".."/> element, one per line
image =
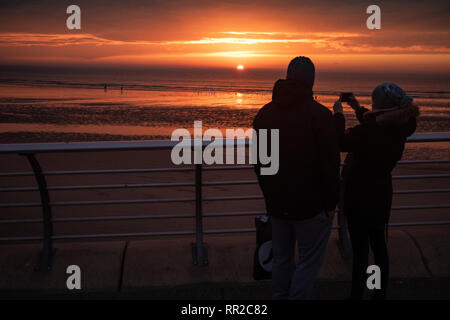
<point x="59" y="40"/>
<point x="259" y="49"/>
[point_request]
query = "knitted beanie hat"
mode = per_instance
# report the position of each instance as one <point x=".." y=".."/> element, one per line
<point x="389" y="95"/>
<point x="301" y="69"/>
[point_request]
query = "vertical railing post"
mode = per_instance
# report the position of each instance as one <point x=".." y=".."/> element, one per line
<point x="199" y="251"/>
<point x="46" y="256"/>
<point x="344" y="244"/>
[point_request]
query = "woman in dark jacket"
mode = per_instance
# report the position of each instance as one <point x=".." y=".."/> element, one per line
<point x="374" y="147"/>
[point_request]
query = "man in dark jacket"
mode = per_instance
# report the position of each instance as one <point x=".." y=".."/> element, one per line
<point x="305" y="189"/>
<point x="374" y="147"/>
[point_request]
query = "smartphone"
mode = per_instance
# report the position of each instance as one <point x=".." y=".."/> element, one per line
<point x="345" y="96"/>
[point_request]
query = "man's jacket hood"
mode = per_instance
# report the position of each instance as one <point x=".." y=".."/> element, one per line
<point x="291" y="92"/>
<point x="397" y="117"/>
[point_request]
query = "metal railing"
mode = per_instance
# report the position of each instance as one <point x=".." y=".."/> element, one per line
<point x="199" y="252"/>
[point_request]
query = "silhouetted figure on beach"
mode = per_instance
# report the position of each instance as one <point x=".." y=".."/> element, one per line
<point x="374" y="147"/>
<point x="105" y="87"/>
<point x="301" y="198"/>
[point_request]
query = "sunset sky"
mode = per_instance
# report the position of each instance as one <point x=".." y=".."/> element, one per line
<point x="415" y="35"/>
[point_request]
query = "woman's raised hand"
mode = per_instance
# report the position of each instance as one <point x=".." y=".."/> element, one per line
<point x="353" y="102"/>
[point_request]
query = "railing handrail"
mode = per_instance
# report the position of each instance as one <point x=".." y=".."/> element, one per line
<point x="429" y="137"/>
<point x="157" y="144"/>
<point x="106" y="145"/>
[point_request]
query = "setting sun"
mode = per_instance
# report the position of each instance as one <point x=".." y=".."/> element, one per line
<point x="240" y="67"/>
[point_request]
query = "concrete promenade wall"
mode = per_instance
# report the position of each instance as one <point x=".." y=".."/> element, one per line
<point x="133" y="265"/>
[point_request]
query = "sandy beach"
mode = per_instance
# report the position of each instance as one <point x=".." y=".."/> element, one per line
<point x="161" y="159"/>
